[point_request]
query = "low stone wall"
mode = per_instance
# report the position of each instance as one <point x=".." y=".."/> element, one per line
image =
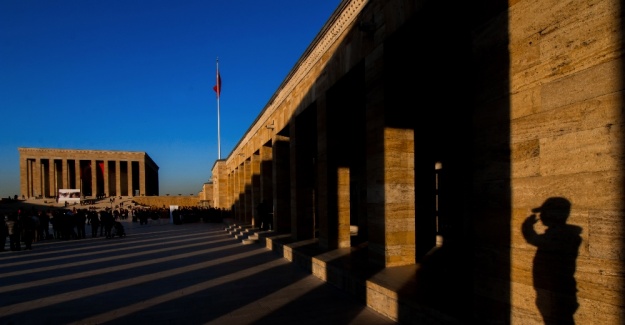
<point x="166" y="201"/>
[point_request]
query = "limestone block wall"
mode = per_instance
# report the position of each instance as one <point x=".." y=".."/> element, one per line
<point x="566" y="141"/>
<point x="166" y="201"/>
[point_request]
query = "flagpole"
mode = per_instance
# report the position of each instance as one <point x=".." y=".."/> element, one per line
<point x="218" y="85"/>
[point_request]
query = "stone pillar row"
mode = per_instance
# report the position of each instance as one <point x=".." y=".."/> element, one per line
<point x="42" y="177"/>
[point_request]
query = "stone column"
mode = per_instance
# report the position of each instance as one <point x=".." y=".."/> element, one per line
<point x="94" y="178"/>
<point x="231" y="190"/>
<point x="142" y="188"/>
<point x="52" y="177"/>
<point x="249" y="205"/>
<point x="281" y="178"/>
<point x="65" y="173"/>
<point x="37" y="177"/>
<point x="266" y="179"/>
<point x="130" y="191"/>
<point x="241" y="194"/>
<point x="107" y="177"/>
<point x="77" y="176"/>
<point x="118" y="178"/>
<point x="303" y="176"/>
<point x="254" y="191"/>
<point x="390" y="176"/>
<point x="220" y="185"/>
<point x="24" y="177"/>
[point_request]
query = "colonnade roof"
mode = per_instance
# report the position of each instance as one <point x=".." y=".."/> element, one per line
<point x="50" y="152"/>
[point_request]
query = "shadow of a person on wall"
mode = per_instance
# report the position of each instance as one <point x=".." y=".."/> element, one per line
<point x="554" y="262"/>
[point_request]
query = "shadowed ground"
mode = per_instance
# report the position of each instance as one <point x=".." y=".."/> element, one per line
<point x="167" y="274"/>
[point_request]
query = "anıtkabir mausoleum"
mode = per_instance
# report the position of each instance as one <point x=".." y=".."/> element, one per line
<point x="44" y="171"/>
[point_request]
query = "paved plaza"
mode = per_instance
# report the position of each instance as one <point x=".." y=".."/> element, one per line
<point x="163" y="273"/>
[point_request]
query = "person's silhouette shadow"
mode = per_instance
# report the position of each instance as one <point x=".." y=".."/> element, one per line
<point x="554" y="262"/>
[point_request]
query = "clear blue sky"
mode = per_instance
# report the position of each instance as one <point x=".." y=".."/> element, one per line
<point x="138" y="75"/>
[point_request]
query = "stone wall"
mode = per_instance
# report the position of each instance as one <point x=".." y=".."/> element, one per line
<point x="166" y="201"/>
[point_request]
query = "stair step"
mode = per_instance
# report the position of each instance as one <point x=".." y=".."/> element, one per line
<point x="248" y="241"/>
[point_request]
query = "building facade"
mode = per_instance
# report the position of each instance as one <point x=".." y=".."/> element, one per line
<point x="44" y="171"/>
<point x="478" y="145"/>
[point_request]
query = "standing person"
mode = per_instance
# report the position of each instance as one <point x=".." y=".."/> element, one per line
<point x="57" y="224"/>
<point x="36" y="223"/>
<point x="107" y="222"/>
<point x="95" y="223"/>
<point x="69" y="225"/>
<point x="81" y="219"/>
<point x="29" y="228"/>
<point x="102" y="221"/>
<point x="44" y="224"/>
<point x="4" y="232"/>
<point x="13" y="229"/>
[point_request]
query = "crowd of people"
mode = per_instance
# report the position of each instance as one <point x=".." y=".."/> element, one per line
<point x="25" y="227"/>
<point x="22" y="228"/>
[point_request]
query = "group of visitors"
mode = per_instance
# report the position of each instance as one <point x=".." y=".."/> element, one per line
<point x="27" y="227"/>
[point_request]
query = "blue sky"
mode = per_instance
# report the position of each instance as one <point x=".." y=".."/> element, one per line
<point x="138" y="75"/>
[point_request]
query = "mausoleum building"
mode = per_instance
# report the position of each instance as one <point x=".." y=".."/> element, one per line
<point x="44" y="171"/>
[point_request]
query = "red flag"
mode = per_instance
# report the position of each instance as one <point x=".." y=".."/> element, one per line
<point x="217" y="87"/>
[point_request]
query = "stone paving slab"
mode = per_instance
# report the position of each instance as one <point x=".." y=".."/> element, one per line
<point x="167" y="274"/>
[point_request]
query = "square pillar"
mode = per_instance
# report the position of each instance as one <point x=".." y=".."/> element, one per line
<point x="64" y="173"/>
<point x="51" y="178"/>
<point x="129" y="168"/>
<point x="94" y="177"/>
<point x="241" y="194"/>
<point x="37" y="178"/>
<point x="118" y="178"/>
<point x="107" y="182"/>
<point x="281" y="179"/>
<point x="255" y="193"/>
<point x="142" y="188"/>
<point x="24" y="177"/>
<point x="77" y="175"/>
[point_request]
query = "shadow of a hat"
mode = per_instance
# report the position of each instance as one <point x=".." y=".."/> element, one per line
<point x="554" y="204"/>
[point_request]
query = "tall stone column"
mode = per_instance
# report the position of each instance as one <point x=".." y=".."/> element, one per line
<point x="77" y="175"/>
<point x="107" y="177"/>
<point x="266" y="172"/>
<point x="241" y="192"/>
<point x="220" y="185"/>
<point x="231" y="190"/>
<point x="248" y="201"/>
<point x="118" y="178"/>
<point x="130" y="190"/>
<point x="142" y="188"/>
<point x="266" y="179"/>
<point x="94" y="177"/>
<point x="255" y="188"/>
<point x="24" y="177"/>
<point x="235" y="191"/>
<point x="37" y="178"/>
<point x="390" y="176"/>
<point x="303" y="145"/>
<point x="52" y="177"/>
<point x="281" y="179"/>
<point x="65" y="174"/>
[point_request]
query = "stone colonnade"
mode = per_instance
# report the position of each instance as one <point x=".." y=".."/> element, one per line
<point x="97" y="173"/>
<point x="429" y="147"/>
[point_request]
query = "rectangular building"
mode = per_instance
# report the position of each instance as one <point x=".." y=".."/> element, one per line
<point x="96" y="173"/>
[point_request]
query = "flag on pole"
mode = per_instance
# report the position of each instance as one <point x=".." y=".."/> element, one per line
<point x="217" y="87"/>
